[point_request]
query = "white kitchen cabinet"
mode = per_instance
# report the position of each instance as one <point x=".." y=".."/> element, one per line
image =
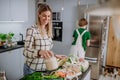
<point x="22" y="60"/>
<point x="14" y="10"/>
<point x="4" y="10"/>
<point x="87" y="77"/>
<point x="11" y="63"/>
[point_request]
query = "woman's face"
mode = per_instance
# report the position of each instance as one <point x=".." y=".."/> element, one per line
<point x="45" y="17"/>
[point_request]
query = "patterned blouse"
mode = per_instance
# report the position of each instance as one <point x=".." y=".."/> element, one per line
<point x="33" y="43"/>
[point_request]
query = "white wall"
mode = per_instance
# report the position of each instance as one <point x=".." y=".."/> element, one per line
<point x="84" y="2"/>
<point x="20" y="27"/>
<point x="69" y="18"/>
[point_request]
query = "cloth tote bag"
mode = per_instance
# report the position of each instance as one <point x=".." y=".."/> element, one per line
<point x="78" y="50"/>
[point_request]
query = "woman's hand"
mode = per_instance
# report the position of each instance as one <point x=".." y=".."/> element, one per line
<point x="60" y="56"/>
<point x="45" y="54"/>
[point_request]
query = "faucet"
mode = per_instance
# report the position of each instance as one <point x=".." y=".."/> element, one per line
<point x="21" y="36"/>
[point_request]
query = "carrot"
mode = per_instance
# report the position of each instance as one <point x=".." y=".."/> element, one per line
<point x="61" y="74"/>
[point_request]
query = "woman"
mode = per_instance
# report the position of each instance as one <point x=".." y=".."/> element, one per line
<point x="81" y="39"/>
<point x="38" y="41"/>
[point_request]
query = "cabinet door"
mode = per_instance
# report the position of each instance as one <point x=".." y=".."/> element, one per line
<point x="4" y="10"/>
<point x="19" y="10"/>
<point x="22" y="60"/>
<point x="87" y="77"/>
<point x="113" y="49"/>
<point x="13" y="10"/>
<point x="10" y="63"/>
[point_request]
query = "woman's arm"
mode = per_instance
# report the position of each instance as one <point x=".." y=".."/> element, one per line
<point x="29" y="51"/>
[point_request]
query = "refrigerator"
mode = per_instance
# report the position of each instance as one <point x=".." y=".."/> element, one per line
<point x="93" y="52"/>
<point x="95" y="24"/>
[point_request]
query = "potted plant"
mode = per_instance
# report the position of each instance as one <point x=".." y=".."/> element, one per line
<point x="10" y="36"/>
<point x="3" y="38"/>
<point x="6" y="38"/>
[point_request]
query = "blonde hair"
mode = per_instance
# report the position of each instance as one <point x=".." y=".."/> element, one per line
<point x="48" y="27"/>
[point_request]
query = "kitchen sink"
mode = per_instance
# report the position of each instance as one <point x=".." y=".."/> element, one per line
<point x="20" y="42"/>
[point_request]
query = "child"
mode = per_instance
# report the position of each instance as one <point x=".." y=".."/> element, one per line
<point x="81" y="40"/>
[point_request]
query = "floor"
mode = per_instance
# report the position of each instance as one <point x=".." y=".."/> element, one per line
<point x="109" y="77"/>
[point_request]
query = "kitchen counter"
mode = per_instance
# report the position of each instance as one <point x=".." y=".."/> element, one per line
<point x="11" y="48"/>
<point x="84" y="76"/>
